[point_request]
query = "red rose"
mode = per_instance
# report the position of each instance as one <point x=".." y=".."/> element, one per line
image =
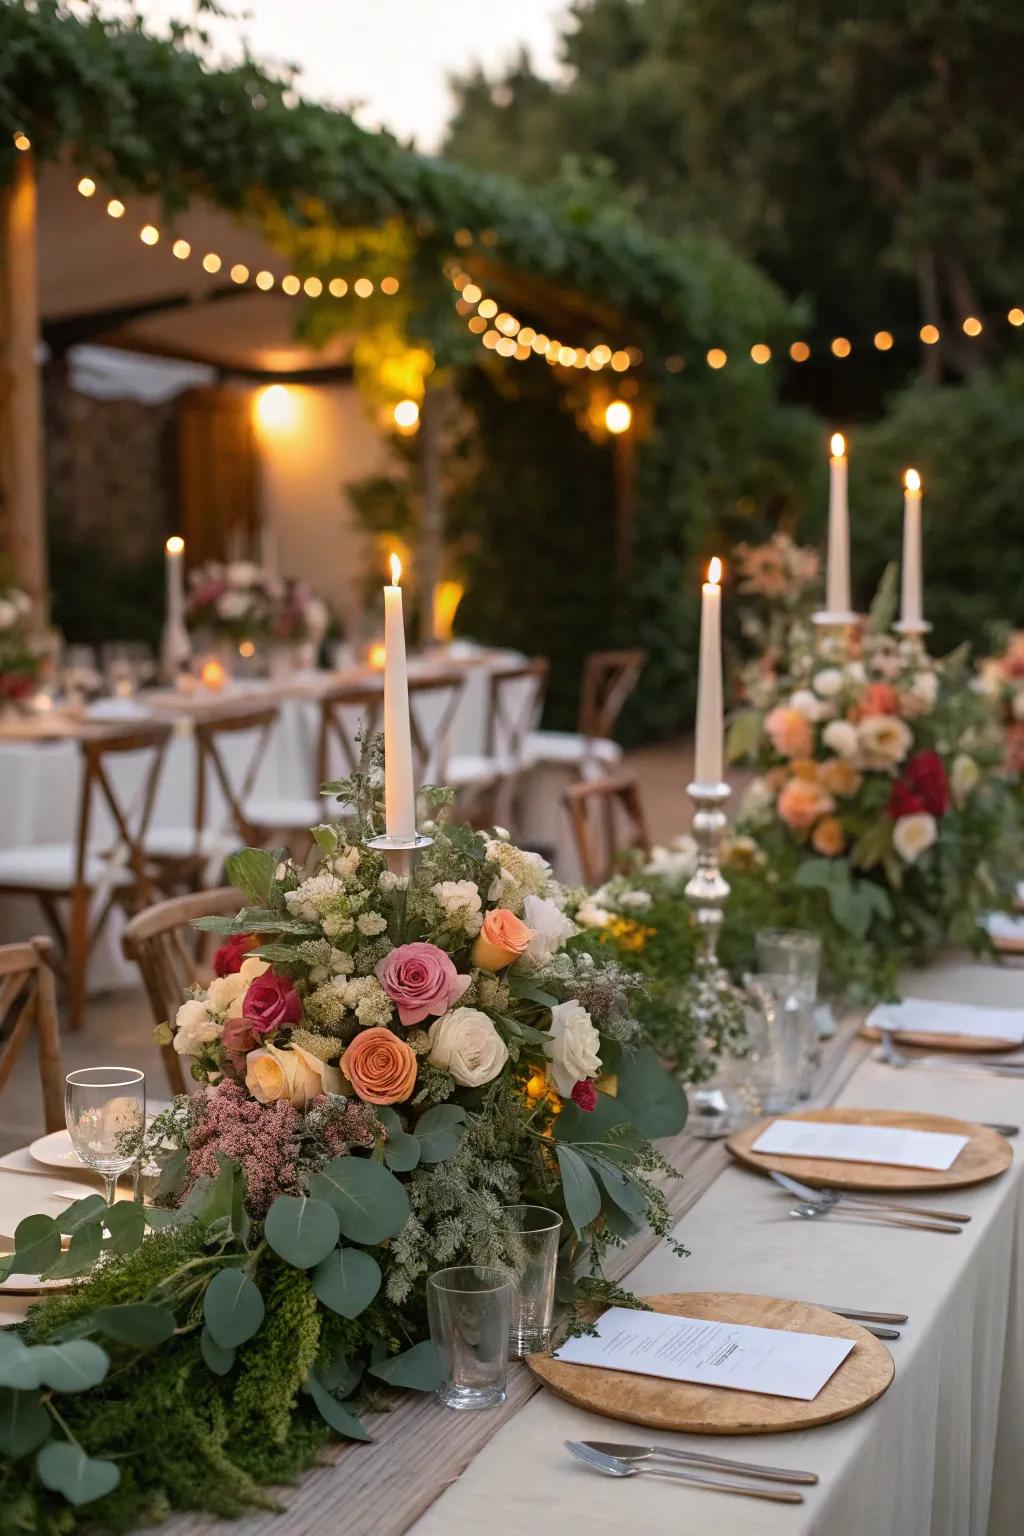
<point x="904" y="801"/>
<point x="228" y="958"/>
<point x="237" y="1040"/>
<point x="584" y="1095"/>
<point x="927" y="777"/>
<point x="270" y="1003"/>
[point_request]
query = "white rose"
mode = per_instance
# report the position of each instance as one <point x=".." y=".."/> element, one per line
<point x="272" y="1073"/>
<point x="758" y="798"/>
<point x="243" y="573"/>
<point x="193" y="1028"/>
<point x="924" y="690"/>
<point x="460" y="901"/>
<point x="841" y="738"/>
<point x="635" y="899"/>
<point x="828" y="682"/>
<point x="805" y="702"/>
<point x="232" y="605"/>
<point x="884" y="740"/>
<point x="572" y="1046"/>
<point x="963" y="777"/>
<point x="465" y="1043"/>
<point x="550" y="927"/>
<point x="856" y="672"/>
<point x="676" y="862"/>
<point x="590" y="915"/>
<point x="8" y="614"/>
<point x="913" y="835"/>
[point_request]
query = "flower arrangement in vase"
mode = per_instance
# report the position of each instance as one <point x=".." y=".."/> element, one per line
<point x="21" y="657"/>
<point x="241" y="601"/>
<point x="1001" y="678"/>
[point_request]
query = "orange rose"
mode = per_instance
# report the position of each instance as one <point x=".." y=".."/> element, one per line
<point x="877" y="699"/>
<point x="840" y="778"/>
<point x="380" y="1067"/>
<point x="502" y="939"/>
<point x="828" y="837"/>
<point x="789" y="731"/>
<point x="801" y="803"/>
<point x="804" y="768"/>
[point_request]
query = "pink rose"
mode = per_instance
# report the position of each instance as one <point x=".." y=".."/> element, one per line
<point x="270" y="1003"/>
<point x="237" y="1040"/>
<point x="420" y="980"/>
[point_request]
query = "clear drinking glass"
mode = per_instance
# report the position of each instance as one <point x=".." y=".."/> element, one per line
<point x="787" y="964"/>
<point x="470" y="1309"/>
<point x="106" y="1114"/>
<point x="536" y="1235"/>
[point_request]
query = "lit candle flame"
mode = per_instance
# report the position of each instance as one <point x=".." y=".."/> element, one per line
<point x="838" y="445"/>
<point x="714" y="571"/>
<point x="396" y="570"/>
<point x="912" y="480"/>
<point x="175" y="545"/>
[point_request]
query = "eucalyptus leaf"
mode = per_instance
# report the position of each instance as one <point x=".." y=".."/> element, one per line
<point x="621" y="1188"/>
<point x="440" y="1132"/>
<point x="233" y="1308"/>
<point x="651" y="1098"/>
<point x="81" y="1254"/>
<point x="36" y="1245"/>
<point x="126" y="1223"/>
<point x="370" y="1204"/>
<point x="24" y="1422"/>
<point x="89" y="1209"/>
<point x="21" y="1367"/>
<point x="219" y="1359"/>
<point x="338" y="1375"/>
<point x="141" y="1324"/>
<point x="82" y="1479"/>
<point x="523" y="987"/>
<point x="337" y="1416"/>
<point x="419" y="1368"/>
<point x="303" y="1230"/>
<point x="347" y="1281"/>
<point x="76" y="1366"/>
<point x="579" y="1188"/>
<point x="172" y="1174"/>
<point x="575" y="1124"/>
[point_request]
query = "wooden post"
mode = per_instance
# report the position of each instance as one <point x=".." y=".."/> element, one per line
<point x="22" y="514"/>
<point x="623" y="453"/>
<point x="431" y="541"/>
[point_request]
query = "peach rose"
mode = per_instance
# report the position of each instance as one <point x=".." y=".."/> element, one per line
<point x="273" y="1073"/>
<point x="804" y="768"/>
<point x="878" y="699"/>
<point x="790" y="732"/>
<point x="802" y="803"/>
<point x="502" y="939"/>
<point x="840" y="778"/>
<point x="828" y="837"/>
<point x="380" y="1067"/>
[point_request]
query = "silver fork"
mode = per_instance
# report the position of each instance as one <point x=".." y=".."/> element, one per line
<point x="613" y="1466"/>
<point x="811" y="1210"/>
<point x="892" y="1056"/>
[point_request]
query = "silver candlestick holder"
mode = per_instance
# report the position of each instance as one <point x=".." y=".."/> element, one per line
<point x="707" y="890"/>
<point x="400" y="852"/>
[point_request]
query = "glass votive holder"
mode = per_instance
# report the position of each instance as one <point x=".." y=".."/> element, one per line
<point x="470" y="1309"/>
<point x="536" y="1233"/>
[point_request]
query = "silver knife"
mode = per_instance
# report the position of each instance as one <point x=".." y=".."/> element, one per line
<point x="805" y="1192"/>
<point x="863" y="1317"/>
<point x="701" y="1459"/>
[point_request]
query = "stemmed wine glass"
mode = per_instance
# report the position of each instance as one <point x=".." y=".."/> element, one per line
<point x="106" y="1114"/>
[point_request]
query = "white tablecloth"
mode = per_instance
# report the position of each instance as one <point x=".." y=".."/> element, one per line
<point x="940" y="1454"/>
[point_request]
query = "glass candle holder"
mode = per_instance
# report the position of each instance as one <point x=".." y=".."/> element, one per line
<point x="470" y="1309"/>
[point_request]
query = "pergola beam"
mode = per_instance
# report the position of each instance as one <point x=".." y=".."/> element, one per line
<point x="22" y="502"/>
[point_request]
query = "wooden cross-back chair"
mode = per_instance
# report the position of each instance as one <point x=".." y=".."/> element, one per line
<point x="613" y="803"/>
<point x="488" y="783"/>
<point x="172" y="955"/>
<point x="609" y="678"/>
<point x="101" y="866"/>
<point x="27" y="1000"/>
<point x="191" y="854"/>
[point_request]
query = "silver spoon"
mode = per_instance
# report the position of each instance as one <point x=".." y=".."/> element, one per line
<point x="613" y="1466"/>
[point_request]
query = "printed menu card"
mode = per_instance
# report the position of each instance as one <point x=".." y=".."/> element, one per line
<point x="887" y="1144"/>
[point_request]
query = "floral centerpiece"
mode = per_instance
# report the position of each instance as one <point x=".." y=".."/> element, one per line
<point x="21" y="658"/>
<point x="386" y="1063"/>
<point x="1001" y="678"/>
<point x="877" y="800"/>
<point x="243" y="601"/>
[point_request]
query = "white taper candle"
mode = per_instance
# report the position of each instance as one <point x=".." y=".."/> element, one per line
<point x="399" y="791"/>
<point x="911" y="604"/>
<point x="710" y="724"/>
<point x="837" y="579"/>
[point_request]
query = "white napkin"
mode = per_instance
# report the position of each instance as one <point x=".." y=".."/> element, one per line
<point x="920" y="1016"/>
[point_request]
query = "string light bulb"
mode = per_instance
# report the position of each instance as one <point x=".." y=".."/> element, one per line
<point x="618" y="417"/>
<point x="929" y="334"/>
<point x="760" y="353"/>
<point x="406" y="416"/>
<point x="716" y="358"/>
<point x="87" y="186"/>
<point x="972" y="326"/>
<point x="212" y="262"/>
<point x="841" y="346"/>
<point x="313" y="287"/>
<point x="337" y="287"/>
<point x="362" y="287"/>
<point x="149" y="234"/>
<point x="22" y="141"/>
<point x="883" y="341"/>
<point x="115" y="208"/>
<point x="290" y="285"/>
<point x="799" y="351"/>
<point x="181" y="249"/>
<point x="239" y="272"/>
<point x="264" y="281"/>
<point x="1016" y="316"/>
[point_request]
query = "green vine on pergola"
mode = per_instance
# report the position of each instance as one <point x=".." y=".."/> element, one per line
<point x="143" y="114"/>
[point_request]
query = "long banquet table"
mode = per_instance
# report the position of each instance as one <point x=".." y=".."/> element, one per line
<point x="938" y="1455"/>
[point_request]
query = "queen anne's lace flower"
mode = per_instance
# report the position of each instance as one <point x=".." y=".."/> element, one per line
<point x="370" y="924"/>
<point x="313" y="896"/>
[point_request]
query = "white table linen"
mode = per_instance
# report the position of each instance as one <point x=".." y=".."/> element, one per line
<point x="938" y="1455"/>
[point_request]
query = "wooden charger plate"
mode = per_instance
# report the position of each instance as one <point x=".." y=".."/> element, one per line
<point x="940" y="1042"/>
<point x="985" y="1155"/>
<point x="686" y="1408"/>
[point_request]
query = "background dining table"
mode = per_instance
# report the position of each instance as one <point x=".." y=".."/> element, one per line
<point x="937" y="1455"/>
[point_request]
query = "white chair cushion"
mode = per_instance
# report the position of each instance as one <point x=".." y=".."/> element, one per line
<point x="467" y="769"/>
<point x="282" y="814"/>
<point x="180" y="842"/>
<point x="51" y="867"/>
<point x="571" y="749"/>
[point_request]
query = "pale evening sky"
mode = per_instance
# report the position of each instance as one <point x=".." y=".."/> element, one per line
<point x="390" y="59"/>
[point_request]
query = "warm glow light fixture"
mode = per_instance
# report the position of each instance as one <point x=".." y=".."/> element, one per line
<point x="972" y="326"/>
<point x="149" y="234"/>
<point x="115" y="208"/>
<point x="841" y="346"/>
<point x="22" y="142"/>
<point x="760" y="353"/>
<point x="181" y="249"/>
<point x="883" y="341"/>
<point x="212" y="262"/>
<point x="87" y="186"/>
<point x="799" y="351"/>
<point x="716" y="358"/>
<point x="406" y="416"/>
<point x="276" y="408"/>
<point x="618" y="417"/>
<point x="929" y="334"/>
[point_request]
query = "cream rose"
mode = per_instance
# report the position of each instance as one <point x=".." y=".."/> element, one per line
<point x="194" y="1028"/>
<point x="465" y="1043"/>
<point x="841" y="738"/>
<point x="963" y="777"/>
<point x="272" y="1073"/>
<point x="914" y="835"/>
<point x="572" y="1047"/>
<point x="590" y="915"/>
<point x="884" y="740"/>
<point x="550" y="927"/>
<point x="828" y="682"/>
